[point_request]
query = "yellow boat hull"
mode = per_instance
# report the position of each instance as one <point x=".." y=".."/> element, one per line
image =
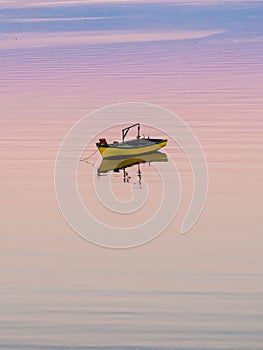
<point x="114" y="152"/>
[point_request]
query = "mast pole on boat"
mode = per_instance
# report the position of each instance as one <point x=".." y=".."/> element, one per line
<point x="125" y="131"/>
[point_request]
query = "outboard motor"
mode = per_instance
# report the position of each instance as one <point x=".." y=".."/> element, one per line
<point x="103" y="141"/>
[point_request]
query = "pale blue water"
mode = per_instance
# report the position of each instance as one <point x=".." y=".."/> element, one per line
<point x="133" y="319"/>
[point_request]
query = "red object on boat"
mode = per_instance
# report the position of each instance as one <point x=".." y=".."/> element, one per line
<point x="103" y="141"/>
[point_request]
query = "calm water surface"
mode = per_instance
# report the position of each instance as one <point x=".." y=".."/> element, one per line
<point x="198" y="291"/>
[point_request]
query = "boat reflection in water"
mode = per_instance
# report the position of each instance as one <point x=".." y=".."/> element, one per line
<point x="121" y="164"/>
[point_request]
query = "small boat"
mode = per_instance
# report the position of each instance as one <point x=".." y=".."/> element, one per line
<point x="129" y="148"/>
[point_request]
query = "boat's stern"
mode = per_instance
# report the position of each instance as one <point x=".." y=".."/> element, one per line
<point x="102" y="145"/>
